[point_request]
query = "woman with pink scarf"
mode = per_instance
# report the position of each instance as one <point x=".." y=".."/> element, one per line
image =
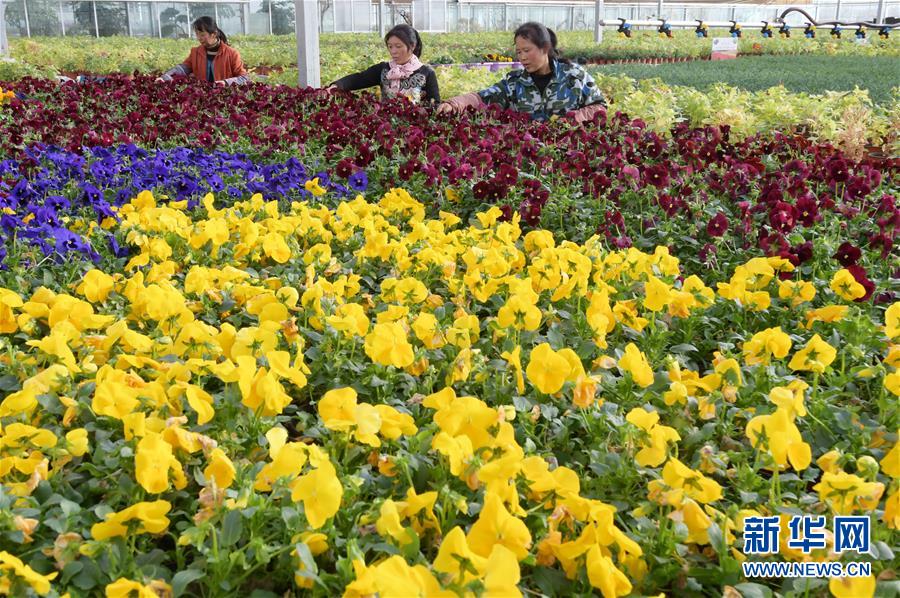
<point x="404" y="75"/>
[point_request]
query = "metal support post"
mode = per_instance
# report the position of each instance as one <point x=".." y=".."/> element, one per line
<point x="4" y="43"/>
<point x="27" y="22"/>
<point x="306" y="27"/>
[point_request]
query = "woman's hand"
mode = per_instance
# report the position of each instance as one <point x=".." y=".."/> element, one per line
<point x="445" y="108"/>
<point x="220" y="84"/>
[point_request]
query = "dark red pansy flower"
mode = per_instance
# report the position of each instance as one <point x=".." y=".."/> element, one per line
<point x="657" y="175"/>
<point x="803" y="251"/>
<point x="717" y="225"/>
<point x="847" y="254"/>
<point x="622" y="242"/>
<point x="808" y="210"/>
<point x="783" y="217"/>
<point x="530" y="211"/>
<point x="408" y="169"/>
<point x="481" y="190"/>
<point x="836" y="170"/>
<point x="344" y="168"/>
<point x="507" y="174"/>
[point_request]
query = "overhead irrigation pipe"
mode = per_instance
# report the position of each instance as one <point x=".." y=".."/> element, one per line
<point x="678" y="24"/>
<point x="695" y="24"/>
<point x="735" y="28"/>
<point x="883" y="28"/>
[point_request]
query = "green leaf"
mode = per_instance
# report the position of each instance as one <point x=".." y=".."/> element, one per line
<point x="9" y="383"/>
<point x="749" y="497"/>
<point x="376" y="381"/>
<point x="289" y="515"/>
<point x="521" y="403"/>
<point x="43" y="492"/>
<point x="753" y="590"/>
<point x="89" y="576"/>
<point x="717" y="539"/>
<point x="411" y="549"/>
<point x="231" y="529"/>
<point x="306" y="558"/>
<point x="69" y="507"/>
<point x="683" y="349"/>
<point x="183" y="579"/>
<point x="549" y="411"/>
<point x="70" y="570"/>
<point x="550" y="581"/>
<point x="887" y="588"/>
<point x="556" y="338"/>
<point x="353" y="551"/>
<point x="884" y="552"/>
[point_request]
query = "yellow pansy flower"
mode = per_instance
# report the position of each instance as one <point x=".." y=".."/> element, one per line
<point x="892" y="321"/>
<point x="321" y="493"/>
<point x="603" y="574"/>
<point x="313" y="187"/>
<point x="547" y="369"/>
<point x="96" y="286"/>
<point x="814" y="357"/>
<point x="151" y="515"/>
<point x="845" y="286"/>
<point x="846" y="492"/>
<point x="635" y="363"/>
<point x="783" y="440"/>
<point x="387" y="344"/>
<point x="220" y="469"/>
<point x="768" y="343"/>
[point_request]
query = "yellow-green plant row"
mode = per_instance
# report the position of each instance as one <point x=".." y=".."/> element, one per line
<point x="364" y="401"/>
<point x="341" y="53"/>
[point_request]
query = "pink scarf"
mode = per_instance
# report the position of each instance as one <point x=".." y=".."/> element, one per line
<point x="399" y="72"/>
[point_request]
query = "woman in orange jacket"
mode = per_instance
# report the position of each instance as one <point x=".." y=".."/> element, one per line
<point x="213" y="60"/>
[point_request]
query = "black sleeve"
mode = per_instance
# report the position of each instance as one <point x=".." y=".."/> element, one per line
<point x="367" y="78"/>
<point x="432" y="93"/>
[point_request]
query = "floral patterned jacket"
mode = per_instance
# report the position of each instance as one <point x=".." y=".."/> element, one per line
<point x="570" y="89"/>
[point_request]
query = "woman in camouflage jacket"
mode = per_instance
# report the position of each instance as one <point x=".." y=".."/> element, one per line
<point x="547" y="85"/>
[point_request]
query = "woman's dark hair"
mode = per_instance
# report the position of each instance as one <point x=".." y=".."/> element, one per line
<point x="540" y="36"/>
<point x="208" y="25"/>
<point x="409" y="36"/>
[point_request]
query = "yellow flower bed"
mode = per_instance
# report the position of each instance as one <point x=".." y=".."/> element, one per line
<point x="366" y="401"/>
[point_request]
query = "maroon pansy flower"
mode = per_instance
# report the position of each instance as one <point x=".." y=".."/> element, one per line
<point x="847" y="254"/>
<point x="717" y="225"/>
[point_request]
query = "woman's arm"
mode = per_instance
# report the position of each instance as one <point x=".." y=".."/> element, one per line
<point x="499" y="93"/>
<point x="495" y="94"/>
<point x="367" y="78"/>
<point x="460" y="103"/>
<point x="181" y="70"/>
<point x="587" y="113"/>
<point x="590" y="93"/>
<point x="240" y="72"/>
<point x="239" y="80"/>
<point x="432" y="92"/>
